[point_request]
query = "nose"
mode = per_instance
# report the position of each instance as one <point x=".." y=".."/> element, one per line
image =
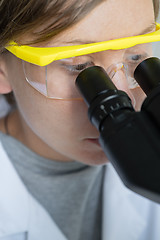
<point x="118" y="76"/>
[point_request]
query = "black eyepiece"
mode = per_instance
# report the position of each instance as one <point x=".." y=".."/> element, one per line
<point x="147" y="74"/>
<point x="93" y="81"/>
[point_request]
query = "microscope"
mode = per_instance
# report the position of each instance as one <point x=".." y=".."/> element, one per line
<point x="129" y="138"/>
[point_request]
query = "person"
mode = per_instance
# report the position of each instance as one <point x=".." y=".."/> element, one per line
<point x="55" y="180"/>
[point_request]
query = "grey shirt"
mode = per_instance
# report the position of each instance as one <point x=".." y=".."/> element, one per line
<point x="70" y="192"/>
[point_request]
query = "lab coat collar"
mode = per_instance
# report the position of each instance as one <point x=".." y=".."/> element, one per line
<point x="121" y="218"/>
<point x="19" y="211"/>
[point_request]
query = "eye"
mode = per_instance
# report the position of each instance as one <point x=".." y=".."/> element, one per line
<point x="136" y="58"/>
<point x="78" y="67"/>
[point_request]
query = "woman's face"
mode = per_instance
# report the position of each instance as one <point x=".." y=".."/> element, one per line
<point x="60" y="129"/>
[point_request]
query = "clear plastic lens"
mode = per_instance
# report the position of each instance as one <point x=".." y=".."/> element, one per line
<point x="57" y="80"/>
<point x="61" y="82"/>
<point x="36" y="76"/>
<point x="134" y="56"/>
<point x="52" y="80"/>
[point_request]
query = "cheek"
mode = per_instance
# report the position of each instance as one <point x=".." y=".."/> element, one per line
<point x="45" y="116"/>
<point x="48" y="118"/>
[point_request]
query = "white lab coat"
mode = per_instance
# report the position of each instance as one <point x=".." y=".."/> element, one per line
<point x="126" y="216"/>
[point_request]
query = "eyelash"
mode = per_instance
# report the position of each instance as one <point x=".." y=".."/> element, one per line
<point x="79" y="67"/>
<point x="136" y="58"/>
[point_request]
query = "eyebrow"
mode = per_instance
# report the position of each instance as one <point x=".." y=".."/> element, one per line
<point x="149" y="29"/>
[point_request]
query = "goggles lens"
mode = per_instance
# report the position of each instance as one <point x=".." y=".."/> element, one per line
<point x="57" y="80"/>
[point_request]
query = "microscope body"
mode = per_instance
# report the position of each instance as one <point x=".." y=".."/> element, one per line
<point x="130" y="139"/>
<point x="133" y="147"/>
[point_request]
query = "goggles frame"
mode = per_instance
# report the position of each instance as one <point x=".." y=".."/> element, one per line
<point x="44" y="56"/>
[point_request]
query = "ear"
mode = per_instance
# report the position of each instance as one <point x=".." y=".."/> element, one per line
<point x="5" y="86"/>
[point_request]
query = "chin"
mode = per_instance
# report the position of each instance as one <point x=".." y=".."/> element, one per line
<point x="94" y="159"/>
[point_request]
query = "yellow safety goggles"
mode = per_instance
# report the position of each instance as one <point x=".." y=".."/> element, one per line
<point x="44" y="56"/>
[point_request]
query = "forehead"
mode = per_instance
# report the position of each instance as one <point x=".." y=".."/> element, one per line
<point x="110" y="20"/>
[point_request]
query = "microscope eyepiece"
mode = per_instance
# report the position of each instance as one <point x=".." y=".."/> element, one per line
<point x="93" y="81"/>
<point x="147" y="74"/>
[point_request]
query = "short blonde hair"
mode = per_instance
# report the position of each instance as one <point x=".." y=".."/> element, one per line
<point x="21" y="16"/>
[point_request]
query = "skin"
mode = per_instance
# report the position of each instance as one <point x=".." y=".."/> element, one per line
<point x="59" y="129"/>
